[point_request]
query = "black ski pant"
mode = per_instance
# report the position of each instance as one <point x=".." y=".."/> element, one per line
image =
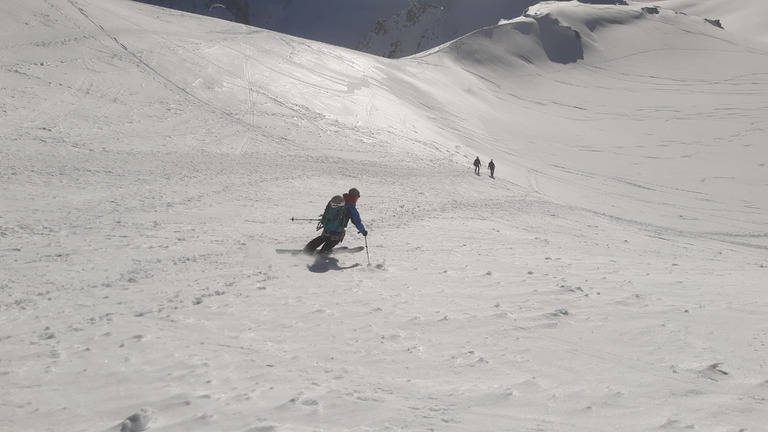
<point x="328" y="240"/>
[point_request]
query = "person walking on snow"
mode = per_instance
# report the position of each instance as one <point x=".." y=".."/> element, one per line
<point x="491" y="167"/>
<point x="477" y="165"/>
<point x="339" y="211"/>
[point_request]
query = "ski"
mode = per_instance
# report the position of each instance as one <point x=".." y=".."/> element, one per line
<point x="334" y="251"/>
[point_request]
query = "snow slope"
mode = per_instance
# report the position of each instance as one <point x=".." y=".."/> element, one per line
<point x="611" y="277"/>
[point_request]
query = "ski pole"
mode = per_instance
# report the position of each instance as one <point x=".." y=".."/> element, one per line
<point x="294" y="219"/>
<point x="366" y="250"/>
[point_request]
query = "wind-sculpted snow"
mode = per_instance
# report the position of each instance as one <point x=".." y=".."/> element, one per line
<point x="539" y="39"/>
<point x="551" y="32"/>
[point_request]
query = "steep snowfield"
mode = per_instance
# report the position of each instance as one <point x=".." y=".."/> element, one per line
<point x="611" y="277"/>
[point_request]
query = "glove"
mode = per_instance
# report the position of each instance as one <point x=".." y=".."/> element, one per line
<point x="364" y="233"/>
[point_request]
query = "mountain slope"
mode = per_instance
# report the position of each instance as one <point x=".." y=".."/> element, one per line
<point x="610" y="277"/>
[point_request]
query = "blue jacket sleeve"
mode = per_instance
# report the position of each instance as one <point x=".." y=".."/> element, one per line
<point x="355" y="217"/>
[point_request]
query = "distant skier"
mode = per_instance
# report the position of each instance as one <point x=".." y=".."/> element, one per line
<point x="491" y="167"/>
<point x="477" y="165"/>
<point x="339" y="211"/>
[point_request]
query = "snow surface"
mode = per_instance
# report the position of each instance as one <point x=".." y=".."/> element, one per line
<point x="612" y="277"/>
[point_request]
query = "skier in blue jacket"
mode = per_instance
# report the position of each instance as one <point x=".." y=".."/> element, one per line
<point x="333" y="233"/>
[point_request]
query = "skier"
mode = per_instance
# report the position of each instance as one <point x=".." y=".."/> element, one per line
<point x="491" y="167"/>
<point x="339" y="211"/>
<point x="477" y="165"/>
